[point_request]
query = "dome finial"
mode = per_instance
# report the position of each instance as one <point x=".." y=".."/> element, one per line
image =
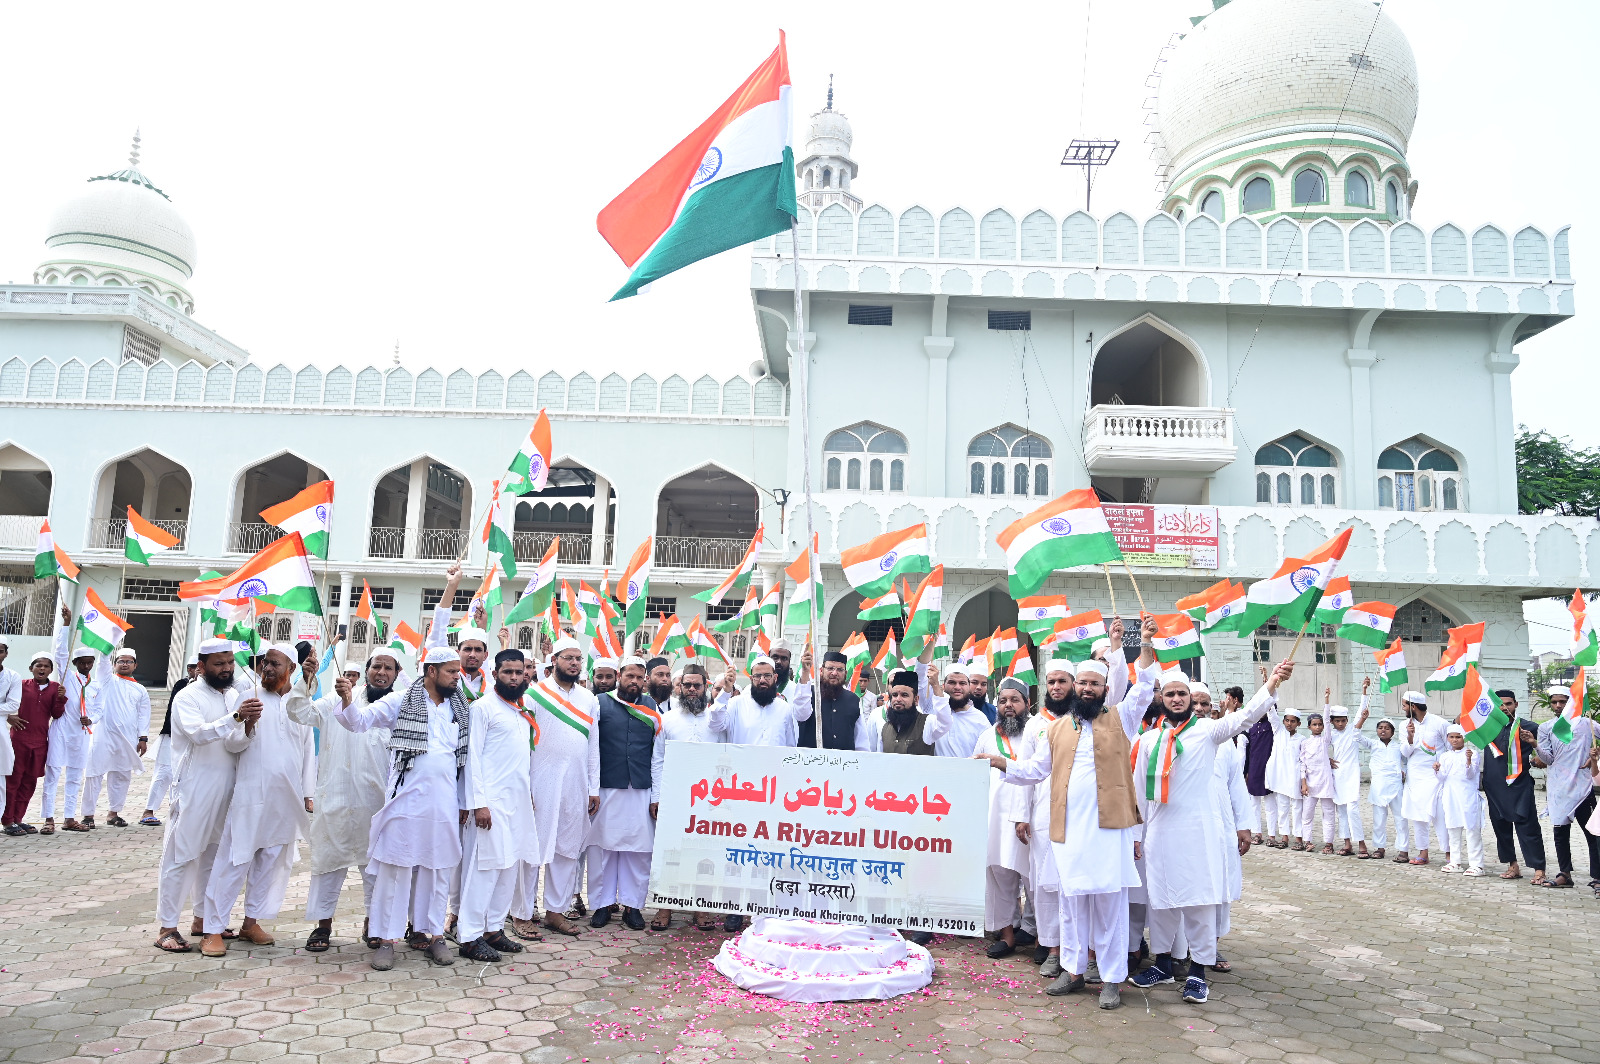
<point x="397" y="352"/>
<point x="830" y="94"/>
<point x="133" y="156"/>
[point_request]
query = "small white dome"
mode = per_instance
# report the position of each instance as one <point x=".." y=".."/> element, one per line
<point x="1256" y="69"/>
<point x="829" y="134"/>
<point x="124" y="221"/>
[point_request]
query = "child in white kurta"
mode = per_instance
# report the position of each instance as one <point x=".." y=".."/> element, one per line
<point x="1316" y="784"/>
<point x="1387" y="769"/>
<point x="1283" y="778"/>
<point x="1460" y="804"/>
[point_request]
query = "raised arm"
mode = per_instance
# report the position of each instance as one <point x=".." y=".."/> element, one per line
<point x="800" y="706"/>
<point x="1264" y="699"/>
<point x="439" y="629"/>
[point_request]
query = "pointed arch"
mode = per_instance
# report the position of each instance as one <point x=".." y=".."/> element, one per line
<point x="1114" y="369"/>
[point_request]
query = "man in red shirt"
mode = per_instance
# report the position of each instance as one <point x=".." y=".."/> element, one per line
<point x="43" y="700"/>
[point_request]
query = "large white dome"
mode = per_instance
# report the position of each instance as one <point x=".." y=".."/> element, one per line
<point x="1253" y="70"/>
<point x="121" y="229"/>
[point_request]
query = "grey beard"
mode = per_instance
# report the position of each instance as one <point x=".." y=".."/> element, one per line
<point x="1009" y="726"/>
<point x="692" y="704"/>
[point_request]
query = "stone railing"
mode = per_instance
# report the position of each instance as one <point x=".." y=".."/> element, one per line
<point x="1150" y="440"/>
<point x="19" y="530"/>
<point x="695" y="552"/>
<point x="110" y="533"/>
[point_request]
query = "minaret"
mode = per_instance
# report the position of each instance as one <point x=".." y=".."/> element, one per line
<point x="826" y="171"/>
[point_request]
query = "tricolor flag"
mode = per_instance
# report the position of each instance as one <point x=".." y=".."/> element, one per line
<point x="1392" y="674"/>
<point x="279" y="574"/>
<point x="405" y="639"/>
<point x="760" y="647"/>
<point x="670" y="637"/>
<point x="739" y="579"/>
<point x="1176" y="637"/>
<point x="1460" y="653"/>
<point x="143" y="539"/>
<point x="978" y="661"/>
<point x="1562" y="728"/>
<point x="1292" y="593"/>
<point x="309" y="513"/>
<point x="635" y="584"/>
<point x="1002" y="647"/>
<point x="498" y="525"/>
<point x="728" y="183"/>
<point x="1076" y="636"/>
<point x="1225" y="612"/>
<point x="571" y="612"/>
<point x="747" y="617"/>
<point x="872" y="567"/>
<point x="529" y="470"/>
<point x="888" y="656"/>
<point x="1069" y="531"/>
<point x="968" y="649"/>
<point x="807" y="576"/>
<point x="767" y="614"/>
<point x="1367" y="623"/>
<point x="1195" y="605"/>
<point x="365" y="612"/>
<point x="541" y="589"/>
<point x="1585" y="640"/>
<point x="606" y="642"/>
<point x="1022" y="668"/>
<point x="941" y="645"/>
<point x="704" y="645"/>
<point x="487" y="596"/>
<point x="885" y="607"/>
<point x="1481" y="716"/>
<point x="589" y="602"/>
<point x="1336" y="599"/>
<point x="923" y="611"/>
<point x="50" y="560"/>
<point x="855" y="649"/>
<point x="1038" y="614"/>
<point x="99" y="628"/>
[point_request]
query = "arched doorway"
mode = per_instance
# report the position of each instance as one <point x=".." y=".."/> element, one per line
<point x="1145" y="365"/>
<point x="420" y="510"/>
<point x="568" y="508"/>
<point x="25" y="482"/>
<point x="266" y="484"/>
<point x="153" y="484"/>
<point x="705" y="520"/>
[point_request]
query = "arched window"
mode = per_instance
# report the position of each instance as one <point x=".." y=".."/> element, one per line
<point x="1309" y="187"/>
<point x="1416" y="475"/>
<point x="811" y="179"/>
<point x="1257" y="195"/>
<point x="1212" y="204"/>
<point x="1293" y="471"/>
<point x="848" y="453"/>
<point x="1025" y="475"/>
<point x="1391" y="199"/>
<point x="827" y="176"/>
<point x="1357" y="189"/>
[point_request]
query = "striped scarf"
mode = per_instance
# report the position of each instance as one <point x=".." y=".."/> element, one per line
<point x="408" y="739"/>
<point x="645" y="714"/>
<point x="1003" y="744"/>
<point x="1158" y="770"/>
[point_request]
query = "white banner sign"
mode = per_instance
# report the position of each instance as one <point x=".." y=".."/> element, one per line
<point x="888" y="839"/>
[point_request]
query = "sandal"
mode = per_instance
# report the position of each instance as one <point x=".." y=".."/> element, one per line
<point x="49" y="828"/>
<point x="657" y="925"/>
<point x="710" y="924"/>
<point x="1562" y="880"/>
<point x="564" y="927"/>
<point x="1222" y="966"/>
<point x="319" y="940"/>
<point x="1402" y="858"/>
<point x="117" y="822"/>
<point x="371" y="941"/>
<point x="1540" y="880"/>
<point x="1510" y="875"/>
<point x="87" y="823"/>
<point x="73" y="825"/>
<point x="178" y="943"/>
<point x="150" y="821"/>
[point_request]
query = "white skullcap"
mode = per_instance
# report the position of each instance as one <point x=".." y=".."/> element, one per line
<point x="1416" y="698"/>
<point x="5" y="641"/>
<point x="286" y="649"/>
<point x="128" y="652"/>
<point x="782" y="644"/>
<point x="1059" y="665"/>
<point x="631" y="659"/>
<point x="1099" y="644"/>
<point x="957" y="669"/>
<point x="85" y="652"/>
<point x="441" y="655"/>
<point x="1338" y="711"/>
<point x="1557" y="691"/>
<point x="1093" y="668"/>
<point x="41" y="655"/>
<point x="1295" y="713"/>
<point x="606" y="663"/>
<point x="214" y="645"/>
<point x="761" y="659"/>
<point x="1455" y="729"/>
<point x="1172" y="676"/>
<point x="470" y="635"/>
<point x="380" y="652"/>
<point x="1196" y="687"/>
<point x="677" y="675"/>
<point x="566" y="642"/>
<point x="194" y="659"/>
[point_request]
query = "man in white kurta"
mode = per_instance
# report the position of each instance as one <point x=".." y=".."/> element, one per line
<point x="1386" y="773"/>
<point x="687" y="721"/>
<point x="566" y="787"/>
<point x="208" y="733"/>
<point x="415" y="843"/>
<point x="1347" y="772"/>
<point x="83" y="674"/>
<point x="352" y="768"/>
<point x="623" y="830"/>
<point x="501" y="838"/>
<point x="121" y="717"/>
<point x="274" y="783"/>
<point x="1569" y="784"/>
<point x="1033" y="828"/>
<point x="1423" y="742"/>
<point x="956" y="723"/>
<point x="1283" y="779"/>
<point x="1186" y="874"/>
<point x="1006" y="863"/>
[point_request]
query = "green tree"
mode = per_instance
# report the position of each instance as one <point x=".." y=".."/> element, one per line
<point x="1553" y="475"/>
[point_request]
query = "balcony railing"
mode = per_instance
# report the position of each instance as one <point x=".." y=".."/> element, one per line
<point x="696" y="552"/>
<point x="111" y="532"/>
<point x="19" y="530"/>
<point x="432" y="544"/>
<point x="575" y="548"/>
<point x="1151" y="440"/>
<point x="247" y="537"/>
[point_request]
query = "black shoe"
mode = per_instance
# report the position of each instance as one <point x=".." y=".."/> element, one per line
<point x="1023" y="938"/>
<point x="479" y="950"/>
<point x="1041" y="954"/>
<point x="734" y="923"/>
<point x="998" y="948"/>
<point x="632" y="919"/>
<point x="602" y="916"/>
<point x="15" y="829"/>
<point x="498" y="940"/>
<point x="921" y="938"/>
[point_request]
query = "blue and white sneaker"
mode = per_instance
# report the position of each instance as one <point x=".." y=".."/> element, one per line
<point x="1152" y="976"/>
<point x="1196" y="991"/>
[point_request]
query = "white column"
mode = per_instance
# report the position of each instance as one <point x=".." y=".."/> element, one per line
<point x="1501" y="363"/>
<point x="938" y="347"/>
<point x="416" y="499"/>
<point x="1361" y="478"/>
<point x="597" y="527"/>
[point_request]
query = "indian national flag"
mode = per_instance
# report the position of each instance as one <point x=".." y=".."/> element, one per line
<point x="588" y="601"/>
<point x="1002" y="647"/>
<point x="978" y="660"/>
<point x="1038" y="614"/>
<point x="855" y="649"/>
<point x="635" y="584"/>
<point x="739" y="579"/>
<point x="1460" y="654"/>
<point x="670" y="637"/>
<point x="1367" y="623"/>
<point x="728" y="183"/>
<point x="365" y="612"/>
<point x="498" y="525"/>
<point x="1225" y="611"/>
<point x="941" y="644"/>
<point x="1291" y="594"/>
<point x="1176" y="637"/>
<point x="143" y="539"/>
<point x="1585" y="640"/>
<point x="541" y="589"/>
<point x="1195" y="605"/>
<point x="704" y="645"/>
<point x="1481" y="716"/>
<point x="888" y="656"/>
<point x="309" y="513"/>
<point x="883" y="608"/>
<point x="1022" y="668"/>
<point x="405" y="639"/>
<point x="99" y="628"/>
<point x="760" y="647"/>
<point x="747" y="617"/>
<point x="279" y="574"/>
<point x="968" y="649"/>
<point x="923" y="611"/>
<point x="50" y="560"/>
<point x="571" y="612"/>
<point x="488" y="596"/>
<point x="1070" y="531"/>
<point x="1562" y="728"/>
<point x="1392" y="674"/>
<point x="529" y="470"/>
<point x="1336" y="599"/>
<point x="807" y="577"/>
<point x="1076" y="636"/>
<point x="767" y="614"/>
<point x="872" y="567"/>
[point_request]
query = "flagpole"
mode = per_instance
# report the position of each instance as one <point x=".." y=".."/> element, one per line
<point x="1106" y="568"/>
<point x="1135" y="584"/>
<point x="798" y="377"/>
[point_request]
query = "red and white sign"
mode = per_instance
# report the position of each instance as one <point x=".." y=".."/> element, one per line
<point x="1165" y="535"/>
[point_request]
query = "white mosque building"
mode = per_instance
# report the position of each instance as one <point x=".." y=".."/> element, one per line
<point x="1268" y="353"/>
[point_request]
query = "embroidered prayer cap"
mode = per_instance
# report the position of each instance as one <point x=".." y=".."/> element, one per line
<point x="1416" y="698"/>
<point x="1338" y="711"/>
<point x="605" y="663"/>
<point x="214" y="646"/>
<point x="1093" y="668"/>
<point x="782" y="644"/>
<point x="1100" y="644"/>
<point x="1198" y="688"/>
<point x="128" y="652"/>
<point x="1172" y="676"/>
<point x="472" y="635"/>
<point x="762" y="659"/>
<point x="957" y="670"/>
<point x="1013" y="684"/>
<point x="1557" y="691"/>
<point x="382" y="652"/>
<point x="1455" y="729"/>
<point x="286" y="649"/>
<point x="85" y="652"/>
<point x="1295" y="713"/>
<point x="566" y="642"/>
<point x="194" y="659"/>
<point x="1058" y="665"/>
<point x="631" y="659"/>
<point x="441" y="656"/>
<point x="39" y="655"/>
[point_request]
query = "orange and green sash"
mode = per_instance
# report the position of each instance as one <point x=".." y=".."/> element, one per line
<point x="533" y="724"/>
<point x="1158" y="771"/>
<point x="644" y="714"/>
<point x="1003" y="744"/>
<point x="561" y="709"/>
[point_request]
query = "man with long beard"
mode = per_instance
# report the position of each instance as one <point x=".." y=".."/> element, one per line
<point x="1174" y="768"/>
<point x="501" y="839"/>
<point x="958" y="719"/>
<point x="685" y="721"/>
<point x="622" y="831"/>
<point x="659" y="681"/>
<point x="1006" y="866"/>
<point x="1044" y="883"/>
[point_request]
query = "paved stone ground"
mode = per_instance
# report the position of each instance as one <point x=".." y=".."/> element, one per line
<point x="1335" y="960"/>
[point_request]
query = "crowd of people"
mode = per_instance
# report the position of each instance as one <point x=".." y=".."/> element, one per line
<point x="474" y="799"/>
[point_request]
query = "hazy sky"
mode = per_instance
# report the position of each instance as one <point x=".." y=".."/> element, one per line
<point x="361" y="174"/>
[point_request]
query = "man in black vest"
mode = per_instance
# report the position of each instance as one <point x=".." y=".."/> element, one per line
<point x="839" y="708"/>
<point x="1510" y="798"/>
<point x="623" y="831"/>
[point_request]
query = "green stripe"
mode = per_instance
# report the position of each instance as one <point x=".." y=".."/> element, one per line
<point x="133" y="551"/>
<point x="557" y="712"/>
<point x="298" y="599"/>
<point x="723" y="215"/>
<point x="1035" y="567"/>
<point x="633" y="616"/>
<point x="92" y="639"/>
<point x="500" y="542"/>
<point x="1178" y="653"/>
<point x="317" y="544"/>
<point x="1364" y="634"/>
<point x="44" y="565"/>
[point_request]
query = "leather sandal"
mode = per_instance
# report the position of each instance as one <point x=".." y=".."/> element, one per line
<point x="73" y="825"/>
<point x="319" y="940"/>
<point x="560" y="925"/>
<point x="371" y="941"/>
<point x="116" y="821"/>
<point x="172" y="942"/>
<point x="49" y="828"/>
